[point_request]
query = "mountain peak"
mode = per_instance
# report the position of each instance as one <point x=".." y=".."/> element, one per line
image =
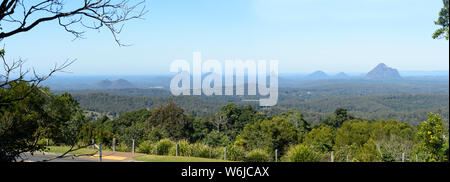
<point x="382" y="65"/>
<point x="318" y="75"/>
<point x="341" y="75"/>
<point x="383" y="72"/>
<point x="116" y="84"/>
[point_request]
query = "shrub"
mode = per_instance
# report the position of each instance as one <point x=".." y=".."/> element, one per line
<point x="302" y="153"/>
<point x="217" y="153"/>
<point x="201" y="150"/>
<point x="184" y="149"/>
<point x="122" y="147"/>
<point x="257" y="155"/>
<point x="146" y="147"/>
<point x="235" y="153"/>
<point x="163" y="146"/>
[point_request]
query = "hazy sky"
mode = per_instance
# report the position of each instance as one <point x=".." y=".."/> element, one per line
<point x="304" y="35"/>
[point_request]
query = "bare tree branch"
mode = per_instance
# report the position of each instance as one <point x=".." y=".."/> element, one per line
<point x="17" y="66"/>
<point x="100" y="13"/>
<point x="219" y="119"/>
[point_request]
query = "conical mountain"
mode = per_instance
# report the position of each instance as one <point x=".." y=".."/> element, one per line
<point x="341" y="75"/>
<point x="383" y="72"/>
<point x="318" y="75"/>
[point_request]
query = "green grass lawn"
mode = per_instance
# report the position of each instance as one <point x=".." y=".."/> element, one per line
<point x="163" y="158"/>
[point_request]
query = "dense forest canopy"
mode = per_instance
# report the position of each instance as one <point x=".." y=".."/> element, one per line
<point x="408" y="106"/>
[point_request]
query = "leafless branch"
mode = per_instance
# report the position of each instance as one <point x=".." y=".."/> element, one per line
<point x="6" y="80"/>
<point x="24" y="15"/>
<point x="219" y="119"/>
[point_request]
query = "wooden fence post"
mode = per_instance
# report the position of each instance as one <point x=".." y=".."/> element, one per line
<point x="100" y="152"/>
<point x="114" y="144"/>
<point x="132" y="149"/>
<point x="276" y="155"/>
<point x="225" y="153"/>
<point x="332" y="156"/>
<point x="177" y="150"/>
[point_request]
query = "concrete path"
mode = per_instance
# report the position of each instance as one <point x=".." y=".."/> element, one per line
<point x="106" y="157"/>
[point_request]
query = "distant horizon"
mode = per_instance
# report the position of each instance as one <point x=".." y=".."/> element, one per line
<point x="402" y="73"/>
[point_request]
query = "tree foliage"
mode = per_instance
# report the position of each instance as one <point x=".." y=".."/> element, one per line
<point x="171" y="121"/>
<point x="276" y="133"/>
<point x="431" y="146"/>
<point x="443" y="21"/>
<point x="339" y="116"/>
<point x="24" y="122"/>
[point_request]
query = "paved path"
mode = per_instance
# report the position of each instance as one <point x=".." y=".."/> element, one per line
<point x="106" y="157"/>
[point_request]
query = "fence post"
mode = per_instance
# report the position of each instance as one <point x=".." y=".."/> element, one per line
<point x="225" y="153"/>
<point x="210" y="153"/>
<point x="346" y="158"/>
<point x="47" y="141"/>
<point x="100" y="152"/>
<point x="276" y="155"/>
<point x="417" y="159"/>
<point x="114" y="144"/>
<point x="132" y="149"/>
<point x="93" y="143"/>
<point x="177" y="150"/>
<point x="403" y="157"/>
<point x="332" y="156"/>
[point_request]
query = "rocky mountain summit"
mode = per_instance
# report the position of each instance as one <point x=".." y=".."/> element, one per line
<point x="383" y="72"/>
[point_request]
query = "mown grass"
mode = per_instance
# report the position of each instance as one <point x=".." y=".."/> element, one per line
<point x="163" y="158"/>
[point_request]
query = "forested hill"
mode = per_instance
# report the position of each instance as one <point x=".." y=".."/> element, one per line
<point x="407" y="108"/>
<point x="405" y="100"/>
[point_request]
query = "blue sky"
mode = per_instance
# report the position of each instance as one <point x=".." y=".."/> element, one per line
<point x="304" y="35"/>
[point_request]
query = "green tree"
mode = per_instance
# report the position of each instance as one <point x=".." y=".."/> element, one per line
<point x="298" y="120"/>
<point x="130" y="125"/>
<point x="21" y="122"/>
<point x="236" y="118"/>
<point x="339" y="116"/>
<point x="321" y="138"/>
<point x="277" y="133"/>
<point x="431" y="139"/>
<point x="215" y="138"/>
<point x="367" y="152"/>
<point x="350" y="137"/>
<point x="65" y="110"/>
<point x="393" y="138"/>
<point x="171" y="121"/>
<point x="26" y="111"/>
<point x="201" y="129"/>
<point x="443" y="21"/>
<point x="40" y="114"/>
